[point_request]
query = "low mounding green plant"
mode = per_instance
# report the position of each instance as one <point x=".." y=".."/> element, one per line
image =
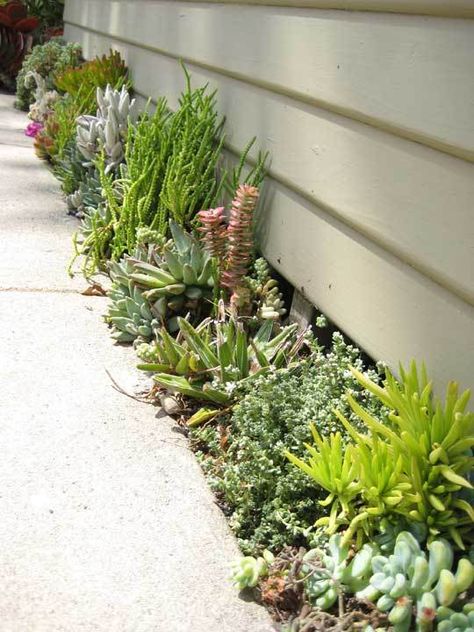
<point x="414" y="467"/>
<point x="47" y="60"/>
<point x="410" y="582"/>
<point x="271" y="503"/>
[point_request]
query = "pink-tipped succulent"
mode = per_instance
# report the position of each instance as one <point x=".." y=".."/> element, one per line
<point x="213" y="231"/>
<point x="240" y="237"/>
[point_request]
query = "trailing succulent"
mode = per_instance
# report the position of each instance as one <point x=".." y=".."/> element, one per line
<point x="411" y="583"/>
<point x="107" y="130"/>
<point x="412" y="468"/>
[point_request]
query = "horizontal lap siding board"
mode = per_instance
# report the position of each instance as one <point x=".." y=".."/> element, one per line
<point x="364" y="65"/>
<point x="377" y="229"/>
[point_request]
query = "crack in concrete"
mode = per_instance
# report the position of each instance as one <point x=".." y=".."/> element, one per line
<point x="45" y="290"/>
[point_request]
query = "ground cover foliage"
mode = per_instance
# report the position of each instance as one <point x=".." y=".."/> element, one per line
<point x="348" y="488"/>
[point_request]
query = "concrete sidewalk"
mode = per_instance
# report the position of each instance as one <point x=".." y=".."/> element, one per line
<point x="106" y="520"/>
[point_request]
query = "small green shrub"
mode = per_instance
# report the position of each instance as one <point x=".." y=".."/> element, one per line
<point x="47" y="60"/>
<point x="271" y="502"/>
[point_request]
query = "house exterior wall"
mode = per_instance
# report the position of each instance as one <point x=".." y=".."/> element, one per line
<point x="367" y="110"/>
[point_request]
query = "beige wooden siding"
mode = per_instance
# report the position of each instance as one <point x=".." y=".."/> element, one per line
<point x="368" y="116"/>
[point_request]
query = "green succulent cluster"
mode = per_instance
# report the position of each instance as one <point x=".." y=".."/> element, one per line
<point x="451" y="621"/>
<point x="330" y="574"/>
<point x="415" y="467"/>
<point x="411" y="582"/>
<point x="268" y="299"/>
<point x="170" y="355"/>
<point x="180" y="280"/>
<point x="247" y="571"/>
<point x="225" y="355"/>
<point x="129" y="313"/>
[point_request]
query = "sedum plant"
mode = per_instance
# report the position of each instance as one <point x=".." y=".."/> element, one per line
<point x="411" y="583"/>
<point x="328" y="575"/>
<point x="247" y="571"/>
<point x="452" y="621"/>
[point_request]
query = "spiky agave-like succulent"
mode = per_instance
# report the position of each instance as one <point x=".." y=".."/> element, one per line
<point x="107" y="130"/>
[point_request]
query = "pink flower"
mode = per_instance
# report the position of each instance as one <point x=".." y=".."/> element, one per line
<point x="32" y="129"/>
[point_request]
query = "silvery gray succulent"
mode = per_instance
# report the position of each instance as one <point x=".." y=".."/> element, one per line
<point x="107" y="130"/>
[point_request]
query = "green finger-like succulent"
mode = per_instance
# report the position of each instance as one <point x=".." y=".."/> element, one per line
<point x="410" y="582"/>
<point x="332" y="573"/>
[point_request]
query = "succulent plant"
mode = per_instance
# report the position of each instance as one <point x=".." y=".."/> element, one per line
<point x="179" y="279"/>
<point x="129" y="313"/>
<point x="432" y="444"/>
<point x="168" y="355"/>
<point x="451" y="621"/>
<point x="85" y="200"/>
<point x="15" y="39"/>
<point x="213" y="231"/>
<point x="108" y="129"/>
<point x="230" y="355"/>
<point x="327" y="575"/>
<point x="247" y="571"/>
<point x="266" y="293"/>
<point x="409" y="581"/>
